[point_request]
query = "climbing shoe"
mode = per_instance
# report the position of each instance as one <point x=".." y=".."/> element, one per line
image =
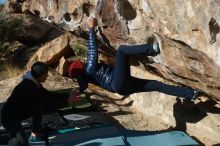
<point x="36" y="139"/>
<point x="156" y="45"/>
<point x="195" y="94"/>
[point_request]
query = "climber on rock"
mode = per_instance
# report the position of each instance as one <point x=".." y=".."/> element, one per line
<point x="118" y="78"/>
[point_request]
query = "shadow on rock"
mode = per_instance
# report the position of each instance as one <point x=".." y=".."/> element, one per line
<point x="186" y="111"/>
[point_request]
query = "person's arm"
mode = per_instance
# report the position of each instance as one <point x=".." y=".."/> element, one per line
<point x="92" y="54"/>
<point x="83" y="83"/>
<point x="54" y="101"/>
<point x="74" y="97"/>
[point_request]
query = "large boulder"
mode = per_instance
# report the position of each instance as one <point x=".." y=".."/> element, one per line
<point x="51" y="52"/>
<point x="32" y="28"/>
<point x="62" y="68"/>
<point x="192" y="22"/>
<point x="191" y="67"/>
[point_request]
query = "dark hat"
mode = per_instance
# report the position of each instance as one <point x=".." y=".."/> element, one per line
<point x="38" y="69"/>
<point x="76" y="69"/>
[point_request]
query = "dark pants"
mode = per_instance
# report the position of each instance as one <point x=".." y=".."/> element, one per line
<point x="13" y="124"/>
<point x="15" y="129"/>
<point x="124" y="83"/>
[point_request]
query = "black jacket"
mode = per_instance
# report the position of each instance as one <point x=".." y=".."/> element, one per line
<point x="96" y="73"/>
<point x="28" y="99"/>
<point x="25" y="100"/>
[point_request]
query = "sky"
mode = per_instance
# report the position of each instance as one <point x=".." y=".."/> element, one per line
<point x="2" y="1"/>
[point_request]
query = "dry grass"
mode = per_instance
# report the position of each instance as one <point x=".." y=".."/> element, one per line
<point x="9" y="70"/>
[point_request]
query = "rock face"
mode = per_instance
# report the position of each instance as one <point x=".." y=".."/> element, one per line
<point x="180" y="63"/>
<point x="195" y="23"/>
<point x="62" y="68"/>
<point x="33" y="29"/>
<point x="51" y="52"/>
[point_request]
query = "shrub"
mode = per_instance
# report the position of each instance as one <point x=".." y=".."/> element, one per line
<point x="8" y="70"/>
<point x="79" y="50"/>
<point x="10" y="29"/>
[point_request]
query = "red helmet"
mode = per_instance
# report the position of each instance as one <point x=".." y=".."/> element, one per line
<point x="76" y="69"/>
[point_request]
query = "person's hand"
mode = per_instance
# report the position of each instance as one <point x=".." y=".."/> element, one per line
<point x="74" y="97"/>
<point x="90" y="22"/>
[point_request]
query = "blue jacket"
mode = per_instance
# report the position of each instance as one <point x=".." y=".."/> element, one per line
<point x="96" y="73"/>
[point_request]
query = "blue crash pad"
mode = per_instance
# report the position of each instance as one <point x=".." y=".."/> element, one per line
<point x="99" y="135"/>
<point x="107" y="135"/>
<point x="172" y="138"/>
